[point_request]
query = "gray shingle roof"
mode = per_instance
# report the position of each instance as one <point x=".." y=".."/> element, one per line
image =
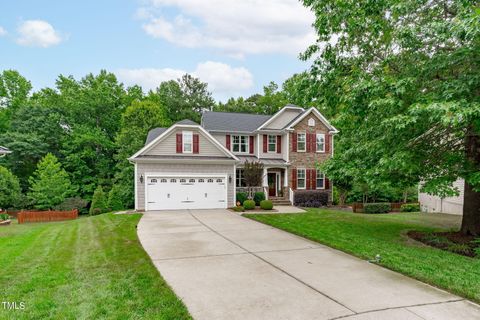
<point x="267" y="162"/>
<point x="232" y="122"/>
<point x="152" y="134"/>
<point x="187" y="121"/>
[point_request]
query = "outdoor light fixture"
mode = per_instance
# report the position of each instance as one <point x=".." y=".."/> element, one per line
<point x="141" y="178"/>
<point x="229" y="178"/>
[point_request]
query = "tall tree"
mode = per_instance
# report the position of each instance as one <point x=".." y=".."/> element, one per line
<point x="14" y="93"/>
<point x="404" y="78"/>
<point x="9" y="188"/>
<point x="138" y="119"/>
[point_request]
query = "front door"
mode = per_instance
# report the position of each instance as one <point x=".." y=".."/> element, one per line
<point x="272" y="184"/>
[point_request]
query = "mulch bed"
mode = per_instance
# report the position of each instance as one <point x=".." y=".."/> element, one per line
<point x="455" y="242"/>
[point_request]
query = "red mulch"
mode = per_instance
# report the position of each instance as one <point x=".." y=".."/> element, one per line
<point x="445" y="240"/>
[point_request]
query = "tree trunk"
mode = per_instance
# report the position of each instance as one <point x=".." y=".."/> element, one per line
<point x="471" y="198"/>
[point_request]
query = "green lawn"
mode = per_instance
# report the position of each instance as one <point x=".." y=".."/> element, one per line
<point x="90" y="268"/>
<point x="365" y="235"/>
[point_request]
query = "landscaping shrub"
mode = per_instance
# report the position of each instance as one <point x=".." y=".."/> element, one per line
<point x="249" y="204"/>
<point x="9" y="188"/>
<point x="381" y="207"/>
<point x="99" y="202"/>
<point x="310" y="198"/>
<point x="115" y="199"/>
<point x="266" y="204"/>
<point x="73" y="203"/>
<point x="258" y="197"/>
<point x="242" y="196"/>
<point x="4" y="216"/>
<point x="239" y="209"/>
<point x="477" y="249"/>
<point x="410" y="207"/>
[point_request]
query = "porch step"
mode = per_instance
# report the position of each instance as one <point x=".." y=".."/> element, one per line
<point x="280" y="202"/>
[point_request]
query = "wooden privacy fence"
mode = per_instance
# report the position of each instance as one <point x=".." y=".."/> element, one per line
<point x="394" y="206"/>
<point x="45" y="216"/>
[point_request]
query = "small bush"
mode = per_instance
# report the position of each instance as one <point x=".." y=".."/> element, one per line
<point x="73" y="203"/>
<point x="460" y="248"/>
<point x="249" y="204"/>
<point x="266" y="204"/>
<point x="477" y="249"/>
<point x="242" y="196"/>
<point x="410" y="207"/>
<point x="4" y="216"/>
<point x="258" y="197"/>
<point x="99" y="202"/>
<point x="381" y="207"/>
<point x="310" y="198"/>
<point x="238" y="209"/>
<point x="115" y="199"/>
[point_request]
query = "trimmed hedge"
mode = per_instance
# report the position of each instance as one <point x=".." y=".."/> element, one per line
<point x="310" y="198"/>
<point x="410" y="207"/>
<point x="266" y="204"/>
<point x="242" y="196"/>
<point x="238" y="209"/>
<point x="249" y="204"/>
<point x="258" y="197"/>
<point x="381" y="207"/>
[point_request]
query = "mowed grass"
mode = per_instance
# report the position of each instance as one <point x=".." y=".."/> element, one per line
<point x="90" y="268"/>
<point x="366" y="235"/>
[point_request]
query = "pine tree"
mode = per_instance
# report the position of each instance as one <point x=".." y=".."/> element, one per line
<point x="99" y="202"/>
<point x="115" y="199"/>
<point x="49" y="184"/>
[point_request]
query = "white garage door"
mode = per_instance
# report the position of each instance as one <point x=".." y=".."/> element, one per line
<point x="171" y="192"/>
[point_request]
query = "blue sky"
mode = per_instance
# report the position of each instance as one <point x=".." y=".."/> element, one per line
<point x="237" y="46"/>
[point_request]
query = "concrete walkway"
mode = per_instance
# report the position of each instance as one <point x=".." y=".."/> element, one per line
<point x="224" y="266"/>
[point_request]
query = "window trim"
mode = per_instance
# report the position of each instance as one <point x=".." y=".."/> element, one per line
<point x="304" y="178"/>
<point x="304" y="141"/>
<point x="184" y="134"/>
<point x="239" y="178"/>
<point x="269" y="143"/>
<point x="316" y="142"/>
<point x="316" y="179"/>
<point x="247" y="138"/>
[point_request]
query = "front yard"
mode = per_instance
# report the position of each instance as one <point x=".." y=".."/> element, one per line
<point x="366" y="235"/>
<point x="90" y="268"/>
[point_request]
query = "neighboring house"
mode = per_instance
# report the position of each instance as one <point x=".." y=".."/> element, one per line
<point x="452" y="205"/>
<point x="4" y="151"/>
<point x="200" y="166"/>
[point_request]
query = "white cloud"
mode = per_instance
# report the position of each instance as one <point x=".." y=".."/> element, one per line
<point x="223" y="80"/>
<point x="37" y="33"/>
<point x="3" y="32"/>
<point x="235" y="27"/>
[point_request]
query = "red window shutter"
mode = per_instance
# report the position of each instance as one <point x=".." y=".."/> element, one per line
<point x="252" y="144"/>
<point x="308" y="183"/>
<point x="279" y="144"/>
<point x="328" y="141"/>
<point x="265" y="143"/>
<point x="327" y="183"/>
<point x="294" y="179"/>
<point x="314" y="142"/>
<point x="179" y="143"/>
<point x="294" y="142"/>
<point x="314" y="179"/>
<point x="227" y="142"/>
<point x="196" y="146"/>
<point x="307" y="142"/>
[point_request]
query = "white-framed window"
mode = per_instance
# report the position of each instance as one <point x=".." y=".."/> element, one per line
<point x="272" y="143"/>
<point x="320" y="142"/>
<point x="311" y="122"/>
<point x="301" y="179"/>
<point x="320" y="180"/>
<point x="239" y="180"/>
<point x="301" y="141"/>
<point x="187" y="140"/>
<point x="240" y="144"/>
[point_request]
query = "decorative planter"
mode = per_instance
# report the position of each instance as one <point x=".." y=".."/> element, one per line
<point x="5" y="222"/>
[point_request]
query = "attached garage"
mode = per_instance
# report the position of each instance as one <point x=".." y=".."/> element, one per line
<point x="185" y="192"/>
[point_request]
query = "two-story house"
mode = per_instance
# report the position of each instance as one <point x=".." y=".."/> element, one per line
<point x="200" y="166"/>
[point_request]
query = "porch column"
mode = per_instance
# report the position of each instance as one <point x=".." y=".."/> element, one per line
<point x="265" y="177"/>
<point x="285" y="177"/>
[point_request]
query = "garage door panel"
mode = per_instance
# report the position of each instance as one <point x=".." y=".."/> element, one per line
<point x="165" y="193"/>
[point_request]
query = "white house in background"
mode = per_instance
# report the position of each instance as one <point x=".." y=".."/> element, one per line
<point x="4" y="151"/>
<point x="452" y="205"/>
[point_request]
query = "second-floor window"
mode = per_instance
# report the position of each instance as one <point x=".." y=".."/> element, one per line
<point x="301" y="141"/>
<point x="272" y="143"/>
<point x="320" y="142"/>
<point x="300" y="178"/>
<point x="187" y="141"/>
<point x="240" y="143"/>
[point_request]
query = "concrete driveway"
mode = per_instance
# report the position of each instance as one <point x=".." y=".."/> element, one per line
<point x="224" y="266"/>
